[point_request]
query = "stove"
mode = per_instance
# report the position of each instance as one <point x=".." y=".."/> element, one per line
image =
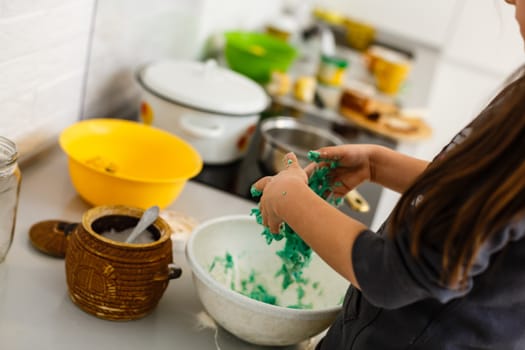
<point x="237" y="177"/>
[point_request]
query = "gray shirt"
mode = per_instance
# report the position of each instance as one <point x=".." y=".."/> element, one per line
<point x="402" y="303"/>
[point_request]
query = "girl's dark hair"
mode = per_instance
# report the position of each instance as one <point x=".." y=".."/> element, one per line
<point x="473" y="190"/>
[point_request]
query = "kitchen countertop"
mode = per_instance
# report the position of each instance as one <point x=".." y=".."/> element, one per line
<point x="35" y="309"/>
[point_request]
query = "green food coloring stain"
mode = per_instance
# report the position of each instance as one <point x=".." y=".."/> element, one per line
<point x="249" y="287"/>
<point x="252" y="286"/>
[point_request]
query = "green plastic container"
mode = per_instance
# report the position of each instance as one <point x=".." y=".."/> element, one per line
<point x="256" y="55"/>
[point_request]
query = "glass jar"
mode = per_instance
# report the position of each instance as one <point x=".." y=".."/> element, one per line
<point x="332" y="70"/>
<point x="10" y="178"/>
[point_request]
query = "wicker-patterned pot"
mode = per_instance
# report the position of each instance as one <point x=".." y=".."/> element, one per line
<point x="115" y="280"/>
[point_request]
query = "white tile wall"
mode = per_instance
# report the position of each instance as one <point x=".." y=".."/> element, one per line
<point x="486" y="35"/>
<point x="62" y="60"/>
<point x="10" y="8"/>
<point x="129" y="33"/>
<point x="43" y="55"/>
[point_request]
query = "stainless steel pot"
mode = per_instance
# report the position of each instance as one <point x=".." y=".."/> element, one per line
<point x="281" y="135"/>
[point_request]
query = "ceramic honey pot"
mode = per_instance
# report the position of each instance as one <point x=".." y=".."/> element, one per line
<point x="107" y="278"/>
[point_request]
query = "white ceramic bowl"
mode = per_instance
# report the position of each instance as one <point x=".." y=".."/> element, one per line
<point x="251" y="320"/>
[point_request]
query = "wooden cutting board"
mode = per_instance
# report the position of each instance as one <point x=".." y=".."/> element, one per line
<point x="395" y="126"/>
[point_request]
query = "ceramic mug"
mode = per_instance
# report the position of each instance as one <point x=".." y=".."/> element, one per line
<point x="390" y="74"/>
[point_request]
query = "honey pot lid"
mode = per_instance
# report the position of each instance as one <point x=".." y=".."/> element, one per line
<point x="51" y="236"/>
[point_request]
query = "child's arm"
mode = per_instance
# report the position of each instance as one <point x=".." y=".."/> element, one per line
<point x="382" y="165"/>
<point x="394" y="170"/>
<point x="286" y="197"/>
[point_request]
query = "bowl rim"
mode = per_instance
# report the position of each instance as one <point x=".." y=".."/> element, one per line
<point x="64" y="134"/>
<point x="200" y="273"/>
<point x="237" y="39"/>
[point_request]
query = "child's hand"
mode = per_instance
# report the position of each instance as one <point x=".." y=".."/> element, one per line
<point x="274" y="188"/>
<point x="353" y="166"/>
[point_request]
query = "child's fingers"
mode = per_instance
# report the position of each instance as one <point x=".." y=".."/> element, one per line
<point x="310" y="168"/>
<point x="258" y="187"/>
<point x="329" y="153"/>
<point x="290" y="160"/>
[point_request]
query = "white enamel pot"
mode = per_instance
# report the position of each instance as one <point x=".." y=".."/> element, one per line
<point x="213" y="108"/>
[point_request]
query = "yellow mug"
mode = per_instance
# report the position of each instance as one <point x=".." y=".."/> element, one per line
<point x="390" y="73"/>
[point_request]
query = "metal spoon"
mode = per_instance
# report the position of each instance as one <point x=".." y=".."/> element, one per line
<point x="150" y="215"/>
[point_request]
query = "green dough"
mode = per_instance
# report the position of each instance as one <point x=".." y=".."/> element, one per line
<point x="253" y="288"/>
<point x="257" y="291"/>
<point x="314" y="156"/>
<point x="255" y="192"/>
<point x="296" y="254"/>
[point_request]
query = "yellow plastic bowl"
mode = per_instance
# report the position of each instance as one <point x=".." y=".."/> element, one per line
<point x="114" y="161"/>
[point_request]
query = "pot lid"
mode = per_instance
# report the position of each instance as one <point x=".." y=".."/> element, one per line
<point x="204" y="86"/>
<point x="51" y="236"/>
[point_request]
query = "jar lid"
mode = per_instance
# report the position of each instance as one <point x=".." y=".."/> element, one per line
<point x="204" y="86"/>
<point x="334" y="61"/>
